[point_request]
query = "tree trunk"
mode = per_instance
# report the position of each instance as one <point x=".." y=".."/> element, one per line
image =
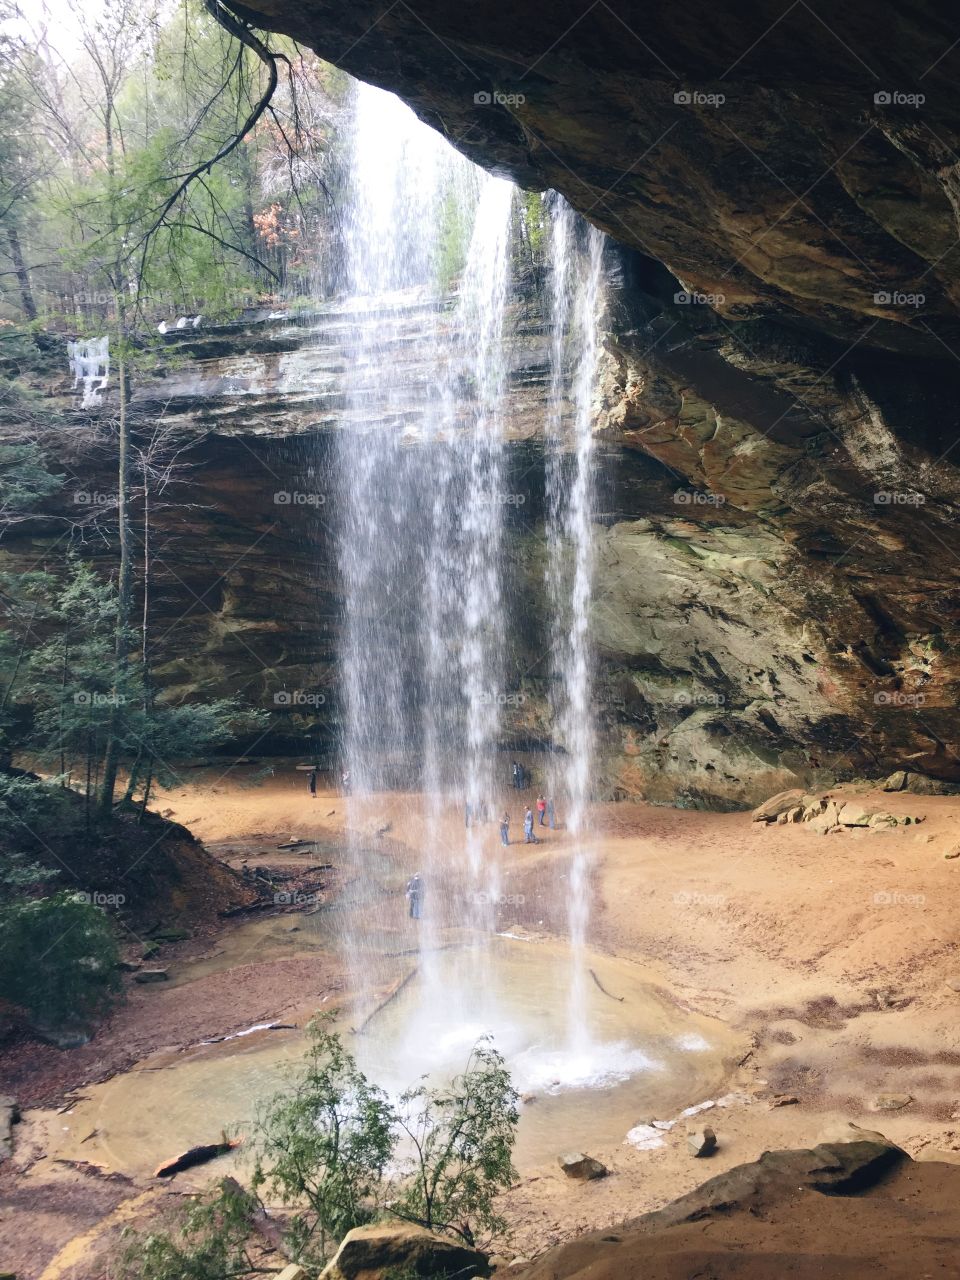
<point x="23" y="275"/>
<point x="111" y="758"/>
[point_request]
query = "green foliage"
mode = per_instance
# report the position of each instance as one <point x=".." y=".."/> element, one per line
<point x="79" y="695"/>
<point x="58" y="959"/>
<point x="334" y="1151"/>
<point x="32" y="813"/>
<point x="24" y="478"/>
<point x="462" y="1138"/>
<point x="456" y="228"/>
<point x="325" y="1143"/>
<point x="535" y="224"/>
<point x="207" y="1241"/>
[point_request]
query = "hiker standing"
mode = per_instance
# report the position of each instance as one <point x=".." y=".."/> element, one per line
<point x="551" y="813"/>
<point x="529" y="837"/>
<point x="517" y="775"/>
<point x="541" y="809"/>
<point x="505" y="829"/>
<point x="312" y="780"/>
<point x="415" y="895"/>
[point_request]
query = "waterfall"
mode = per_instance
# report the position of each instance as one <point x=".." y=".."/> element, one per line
<point x="574" y="302"/>
<point x="422" y="478"/>
<point x="90" y="365"/>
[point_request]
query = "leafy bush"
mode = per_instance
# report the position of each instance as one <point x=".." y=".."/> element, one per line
<point x="462" y="1138"/>
<point x="58" y="959"/>
<point x="32" y="814"/>
<point x="326" y="1142"/>
<point x="336" y="1153"/>
<point x="206" y="1242"/>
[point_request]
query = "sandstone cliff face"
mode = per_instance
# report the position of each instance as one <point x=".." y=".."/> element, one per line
<point x="760" y="619"/>
<point x="785" y="350"/>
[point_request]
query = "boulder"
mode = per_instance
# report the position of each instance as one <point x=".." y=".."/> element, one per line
<point x="581" y="1167"/>
<point x="387" y="1248"/>
<point x="150" y="975"/>
<point x="825" y="820"/>
<point x="834" y="1168"/>
<point x="897" y="781"/>
<point x="771" y="809"/>
<point x="854" y="815"/>
<point x="702" y="1142"/>
<point x="9" y="1116"/>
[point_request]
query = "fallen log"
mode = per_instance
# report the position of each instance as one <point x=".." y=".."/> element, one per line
<point x="196" y="1155"/>
<point x="261" y="904"/>
<point x="604" y="989"/>
<point x="388" y="999"/>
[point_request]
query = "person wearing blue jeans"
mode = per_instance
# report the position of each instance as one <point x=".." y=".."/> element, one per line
<point x="505" y="829"/>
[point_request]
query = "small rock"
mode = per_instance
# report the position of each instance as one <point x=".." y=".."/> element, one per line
<point x="150" y="949"/>
<point x="581" y="1167"/>
<point x="954" y="984"/>
<point x="784" y="1100"/>
<point x="151" y="975"/>
<point x="952" y="853"/>
<point x="128" y="966"/>
<point x="880" y="821"/>
<point x="528" y="1099"/>
<point x="702" y="1142"/>
<point x="891" y="1101"/>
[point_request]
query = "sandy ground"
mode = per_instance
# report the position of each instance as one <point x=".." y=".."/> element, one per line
<point x="831" y="955"/>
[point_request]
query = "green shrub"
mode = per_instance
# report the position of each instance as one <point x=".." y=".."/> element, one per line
<point x="325" y="1144"/>
<point x="58" y="959"/>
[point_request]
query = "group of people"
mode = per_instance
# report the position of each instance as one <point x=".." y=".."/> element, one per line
<point x="546" y="815"/>
<point x="521" y="776"/>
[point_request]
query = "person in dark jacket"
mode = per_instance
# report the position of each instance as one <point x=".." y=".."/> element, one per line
<point x="415" y="895"/>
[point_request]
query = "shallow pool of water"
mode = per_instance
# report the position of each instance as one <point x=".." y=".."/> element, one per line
<point x="639" y="1056"/>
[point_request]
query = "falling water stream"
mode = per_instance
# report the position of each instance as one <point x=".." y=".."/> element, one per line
<point x="423" y="481"/>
